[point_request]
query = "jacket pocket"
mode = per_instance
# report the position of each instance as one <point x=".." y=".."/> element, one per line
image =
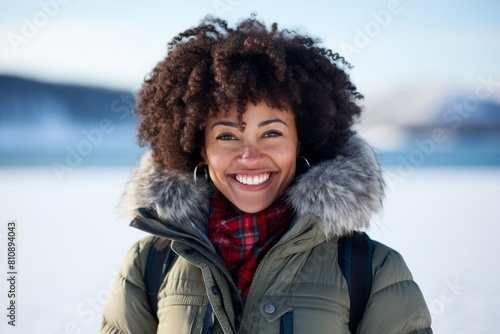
<point x="305" y="315"/>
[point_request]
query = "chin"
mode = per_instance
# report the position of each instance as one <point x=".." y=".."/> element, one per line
<point x="252" y="207"/>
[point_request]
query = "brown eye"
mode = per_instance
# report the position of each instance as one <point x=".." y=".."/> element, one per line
<point x="272" y="134"/>
<point x="225" y="136"/>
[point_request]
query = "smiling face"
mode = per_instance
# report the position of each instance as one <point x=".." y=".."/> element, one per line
<point x="251" y="166"/>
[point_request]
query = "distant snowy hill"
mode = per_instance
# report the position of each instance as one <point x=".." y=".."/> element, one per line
<point x="24" y="100"/>
<point x="434" y="126"/>
<point x="42" y="123"/>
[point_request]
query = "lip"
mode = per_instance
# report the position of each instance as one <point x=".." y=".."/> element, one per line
<point x="253" y="187"/>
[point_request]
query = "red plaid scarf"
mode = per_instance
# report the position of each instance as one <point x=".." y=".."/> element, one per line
<point x="242" y="240"/>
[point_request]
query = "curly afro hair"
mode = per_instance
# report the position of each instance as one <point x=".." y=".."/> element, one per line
<point x="212" y="68"/>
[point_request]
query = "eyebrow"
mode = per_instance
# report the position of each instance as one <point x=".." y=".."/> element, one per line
<point x="236" y="125"/>
<point x="269" y="121"/>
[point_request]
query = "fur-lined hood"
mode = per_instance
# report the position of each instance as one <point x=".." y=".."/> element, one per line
<point x="344" y="193"/>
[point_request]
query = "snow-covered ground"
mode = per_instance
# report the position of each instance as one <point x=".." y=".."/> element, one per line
<point x="71" y="241"/>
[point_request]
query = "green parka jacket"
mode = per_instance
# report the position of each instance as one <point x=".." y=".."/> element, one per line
<point x="298" y="286"/>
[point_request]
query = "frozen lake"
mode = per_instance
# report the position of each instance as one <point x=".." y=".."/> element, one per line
<point x="71" y="241"/>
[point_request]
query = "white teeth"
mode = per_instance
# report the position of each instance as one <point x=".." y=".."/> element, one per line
<point x="253" y="180"/>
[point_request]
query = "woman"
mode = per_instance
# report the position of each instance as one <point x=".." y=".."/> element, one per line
<point x="255" y="174"/>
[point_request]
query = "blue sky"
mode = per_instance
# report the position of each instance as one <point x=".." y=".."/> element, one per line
<point x="116" y="43"/>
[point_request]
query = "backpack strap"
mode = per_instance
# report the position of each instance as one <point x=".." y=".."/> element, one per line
<point x="355" y="261"/>
<point x="160" y="259"/>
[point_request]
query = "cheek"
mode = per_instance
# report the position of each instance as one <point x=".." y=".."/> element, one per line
<point x="218" y="162"/>
<point x="286" y="158"/>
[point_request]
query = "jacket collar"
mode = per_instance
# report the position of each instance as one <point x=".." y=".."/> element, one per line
<point x="344" y="193"/>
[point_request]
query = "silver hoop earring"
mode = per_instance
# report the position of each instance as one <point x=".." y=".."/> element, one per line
<point x="204" y="169"/>
<point x="302" y="165"/>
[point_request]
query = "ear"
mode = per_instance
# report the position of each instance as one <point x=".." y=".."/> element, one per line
<point x="203" y="153"/>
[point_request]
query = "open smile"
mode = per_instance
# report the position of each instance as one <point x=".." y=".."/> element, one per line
<point x="252" y="181"/>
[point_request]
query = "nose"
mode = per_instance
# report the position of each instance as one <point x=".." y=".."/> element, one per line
<point x="251" y="156"/>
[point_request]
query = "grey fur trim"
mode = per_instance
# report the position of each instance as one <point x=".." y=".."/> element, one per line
<point x="343" y="193"/>
<point x="173" y="197"/>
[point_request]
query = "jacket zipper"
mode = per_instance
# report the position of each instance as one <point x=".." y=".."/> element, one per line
<point x="267" y="258"/>
<point x="273" y="253"/>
